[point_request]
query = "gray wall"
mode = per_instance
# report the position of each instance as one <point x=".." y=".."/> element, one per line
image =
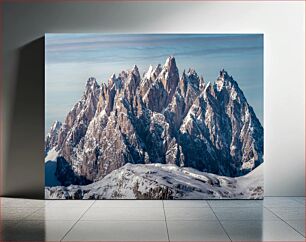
<point x="23" y="74"/>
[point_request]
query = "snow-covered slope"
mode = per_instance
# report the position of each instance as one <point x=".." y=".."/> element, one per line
<point x="160" y="181"/>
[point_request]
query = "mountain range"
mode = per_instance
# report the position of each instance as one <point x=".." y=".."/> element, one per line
<point x="156" y="118"/>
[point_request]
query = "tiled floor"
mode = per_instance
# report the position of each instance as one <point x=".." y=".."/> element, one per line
<point x="274" y="219"/>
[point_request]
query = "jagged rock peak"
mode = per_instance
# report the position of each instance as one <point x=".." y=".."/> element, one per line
<point x="157" y="70"/>
<point x="152" y="73"/>
<point x="91" y="85"/>
<point x="91" y="81"/>
<point x="223" y="80"/>
<point x="123" y="74"/>
<point x="202" y="83"/>
<point x="113" y="77"/>
<point x="192" y="72"/>
<point x="52" y="136"/>
<point x="135" y="71"/>
<point x="190" y="78"/>
<point x="56" y="125"/>
<point x="132" y="82"/>
<point x="170" y="61"/>
<point x="193" y="76"/>
<point x="227" y="82"/>
<point x="148" y="74"/>
<point x="170" y="65"/>
<point x="111" y="80"/>
<point x="169" y="76"/>
<point x="54" y="128"/>
<point x="223" y="75"/>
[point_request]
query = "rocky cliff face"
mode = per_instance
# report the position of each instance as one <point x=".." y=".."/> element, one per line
<point x="160" y="117"/>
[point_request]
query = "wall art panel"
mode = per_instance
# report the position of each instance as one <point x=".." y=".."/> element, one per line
<point x="154" y="116"/>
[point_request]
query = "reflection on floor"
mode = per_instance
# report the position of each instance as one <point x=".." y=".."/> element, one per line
<point x="274" y="219"/>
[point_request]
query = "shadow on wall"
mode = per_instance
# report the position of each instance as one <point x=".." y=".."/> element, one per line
<point x="24" y="170"/>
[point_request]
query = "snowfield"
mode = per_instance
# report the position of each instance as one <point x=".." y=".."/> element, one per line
<point x="164" y="181"/>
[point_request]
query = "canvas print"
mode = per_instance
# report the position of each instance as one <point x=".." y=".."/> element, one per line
<point x="154" y="116"/>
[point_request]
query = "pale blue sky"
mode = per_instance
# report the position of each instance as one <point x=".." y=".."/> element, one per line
<point x="70" y="59"/>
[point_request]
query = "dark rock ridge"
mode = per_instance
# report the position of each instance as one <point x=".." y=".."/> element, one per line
<point x="160" y="117"/>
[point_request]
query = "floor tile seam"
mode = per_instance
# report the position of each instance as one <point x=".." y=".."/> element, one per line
<point x="235" y="208"/>
<point x="22" y="220"/>
<point x="270" y="209"/>
<point x="202" y="202"/>
<point x="168" y="236"/>
<point x="50" y="220"/>
<point x="16" y="222"/>
<point x="2" y="207"/>
<point x="262" y="219"/>
<point x="195" y="220"/>
<point x="166" y="207"/>
<point x="291" y="197"/>
<point x="150" y="220"/>
<point x="123" y="220"/>
<point x="299" y="201"/>
<point x="73" y="225"/>
<point x="286" y="223"/>
<point x="66" y="206"/>
<point x="284" y="207"/>
<point x="297" y="219"/>
<point x="238" y="208"/>
<point x="220" y="223"/>
<point x="128" y="207"/>
<point x="25" y="218"/>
